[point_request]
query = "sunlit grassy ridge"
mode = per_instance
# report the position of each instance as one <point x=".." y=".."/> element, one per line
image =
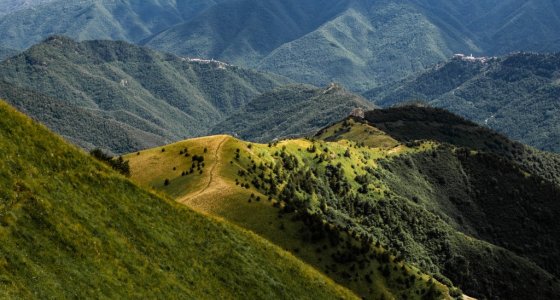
<point x="356" y="201"/>
<point x="72" y="228"/>
<point x="226" y="185"/>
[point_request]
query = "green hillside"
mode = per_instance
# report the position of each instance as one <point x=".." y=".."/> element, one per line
<point x="156" y="98"/>
<point x="72" y="228"/>
<point x="290" y="111"/>
<point x="516" y="95"/>
<point x="435" y="191"/>
<point x="225" y="184"/>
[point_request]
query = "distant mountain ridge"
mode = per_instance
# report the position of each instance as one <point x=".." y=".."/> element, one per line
<point x="128" y="20"/>
<point x="517" y="95"/>
<point x="154" y="97"/>
<point x="361" y="44"/>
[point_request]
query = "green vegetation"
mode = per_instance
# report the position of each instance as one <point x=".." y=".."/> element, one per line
<point x="290" y="111"/>
<point x="516" y="95"/>
<point x="70" y="227"/>
<point x="436" y="193"/>
<point x="130" y="97"/>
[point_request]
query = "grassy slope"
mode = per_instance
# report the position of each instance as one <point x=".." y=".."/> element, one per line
<point x="217" y="191"/>
<point x="289" y="111"/>
<point x="502" y="94"/>
<point x="70" y="227"/>
<point x="157" y="94"/>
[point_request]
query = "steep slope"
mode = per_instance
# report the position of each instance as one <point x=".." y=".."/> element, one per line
<point x="128" y="20"/>
<point x="11" y="6"/>
<point x="155" y="95"/>
<point x="442" y="194"/>
<point x="70" y="227"/>
<point x="290" y="111"/>
<point x="517" y="95"/>
<point x="360" y="43"/>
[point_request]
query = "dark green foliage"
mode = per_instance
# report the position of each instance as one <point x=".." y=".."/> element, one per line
<point x="516" y="95"/>
<point x="290" y="111"/>
<point x="425" y="123"/>
<point x="118" y="164"/>
<point x="148" y="96"/>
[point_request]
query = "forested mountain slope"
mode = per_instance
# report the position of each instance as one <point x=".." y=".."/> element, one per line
<point x="360" y="43"/>
<point x="517" y="95"/>
<point x="290" y="111"/>
<point x="156" y="98"/>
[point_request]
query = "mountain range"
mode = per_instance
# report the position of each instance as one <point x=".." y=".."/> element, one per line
<point x="361" y="44"/>
<point x="517" y="95"/>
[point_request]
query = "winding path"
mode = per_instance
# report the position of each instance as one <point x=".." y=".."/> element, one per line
<point x="212" y="171"/>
